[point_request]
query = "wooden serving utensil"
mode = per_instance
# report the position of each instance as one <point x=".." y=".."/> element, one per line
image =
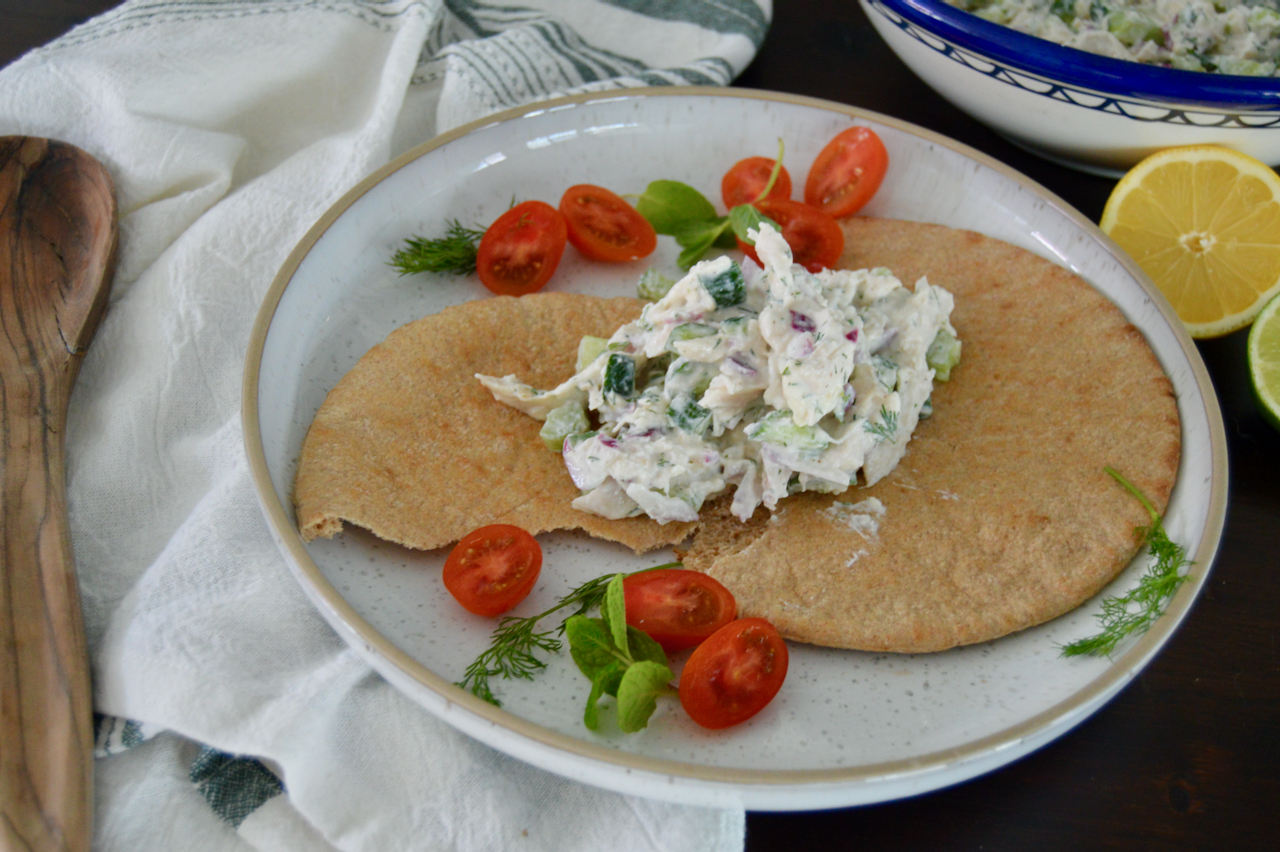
<point x="57" y="252"/>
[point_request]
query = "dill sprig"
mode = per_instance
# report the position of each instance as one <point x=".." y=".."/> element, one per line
<point x="454" y="252"/>
<point x="887" y="428"/>
<point x="514" y="641"/>
<point x="1132" y="613"/>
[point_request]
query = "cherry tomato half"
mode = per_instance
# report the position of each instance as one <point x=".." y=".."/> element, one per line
<point x="743" y="183"/>
<point x="493" y="568"/>
<point x="605" y="227"/>
<point x="521" y="249"/>
<point x="678" y="608"/>
<point x="732" y="675"/>
<point x="816" y="239"/>
<point x="847" y="172"/>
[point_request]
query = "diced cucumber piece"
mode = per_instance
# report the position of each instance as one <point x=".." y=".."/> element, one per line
<point x="620" y="375"/>
<point x="1263" y="22"/>
<point x="1245" y="67"/>
<point x="1133" y="27"/>
<point x="729" y="288"/>
<point x="589" y="348"/>
<point x="568" y="419"/>
<point x="777" y="427"/>
<point x="653" y="285"/>
<point x="575" y="440"/>
<point x="926" y="410"/>
<point x="685" y="414"/>
<point x="692" y="331"/>
<point x="943" y="355"/>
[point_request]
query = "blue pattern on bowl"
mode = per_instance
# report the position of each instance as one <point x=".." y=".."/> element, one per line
<point x="1131" y="89"/>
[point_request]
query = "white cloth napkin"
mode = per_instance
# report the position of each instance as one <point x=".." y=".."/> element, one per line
<point x="233" y="716"/>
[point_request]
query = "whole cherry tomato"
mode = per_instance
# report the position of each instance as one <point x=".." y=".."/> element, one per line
<point x="743" y="183"/>
<point x="677" y="607"/>
<point x="605" y="227"/>
<point x="521" y="249"/>
<point x="493" y="568"/>
<point x="734" y="674"/>
<point x="847" y="172"/>
<point x="816" y="239"/>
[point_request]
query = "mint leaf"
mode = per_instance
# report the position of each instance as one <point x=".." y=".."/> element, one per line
<point x="744" y="217"/>
<point x="642" y="685"/>
<point x="670" y="205"/>
<point x="697" y="238"/>
<point x="590" y="644"/>
<point x="644" y="647"/>
<point x="604" y="683"/>
<point x="615" y="612"/>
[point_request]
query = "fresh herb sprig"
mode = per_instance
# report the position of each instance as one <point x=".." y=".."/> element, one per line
<point x="619" y="660"/>
<point x="679" y="210"/>
<point x="515" y="640"/>
<point x="886" y="429"/>
<point x="454" y="252"/>
<point x="1132" y="613"/>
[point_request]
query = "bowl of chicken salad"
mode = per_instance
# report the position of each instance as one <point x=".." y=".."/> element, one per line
<point x="1100" y="84"/>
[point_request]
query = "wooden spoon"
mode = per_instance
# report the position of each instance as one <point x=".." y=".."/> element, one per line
<point x="57" y="250"/>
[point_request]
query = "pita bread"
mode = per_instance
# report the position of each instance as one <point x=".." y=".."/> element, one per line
<point x="1000" y="516"/>
<point x="409" y="446"/>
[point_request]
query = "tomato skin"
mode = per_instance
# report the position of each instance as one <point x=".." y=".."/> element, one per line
<point x="734" y="674"/>
<point x="493" y="568"/>
<point x="677" y="607"/>
<point x="603" y="226"/>
<point x="847" y="172"/>
<point x="521" y="249"/>
<point x="816" y="239"/>
<point x="743" y="183"/>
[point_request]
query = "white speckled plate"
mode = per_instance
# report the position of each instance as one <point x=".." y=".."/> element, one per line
<point x="847" y="728"/>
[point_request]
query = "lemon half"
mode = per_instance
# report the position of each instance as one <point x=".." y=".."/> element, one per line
<point x="1204" y="222"/>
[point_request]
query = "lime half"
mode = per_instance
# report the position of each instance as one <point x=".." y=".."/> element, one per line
<point x="1264" y="360"/>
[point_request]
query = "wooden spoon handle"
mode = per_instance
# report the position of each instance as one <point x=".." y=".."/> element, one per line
<point x="46" y="724"/>
<point x="54" y="260"/>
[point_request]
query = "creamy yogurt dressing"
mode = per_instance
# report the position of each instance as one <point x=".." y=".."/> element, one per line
<point x="770" y="379"/>
<point x="1222" y="36"/>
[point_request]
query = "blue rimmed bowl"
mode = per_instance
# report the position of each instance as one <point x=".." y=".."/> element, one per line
<point x="1094" y="113"/>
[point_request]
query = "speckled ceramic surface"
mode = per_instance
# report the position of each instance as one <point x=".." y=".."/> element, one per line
<point x="848" y="728"/>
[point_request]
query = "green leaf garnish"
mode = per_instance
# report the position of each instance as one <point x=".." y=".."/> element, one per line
<point x="1132" y="613"/>
<point x="670" y="206"/>
<point x="619" y="660"/>
<point x="680" y="211"/>
<point x="697" y="238"/>
<point x="590" y="644"/>
<point x="604" y="683"/>
<point x="744" y="217"/>
<point x="454" y="252"/>
<point x="514" y="641"/>
<point x="644" y="682"/>
<point x="615" y="612"/>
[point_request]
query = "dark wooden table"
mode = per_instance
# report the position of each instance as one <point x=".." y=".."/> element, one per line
<point x="1188" y="756"/>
